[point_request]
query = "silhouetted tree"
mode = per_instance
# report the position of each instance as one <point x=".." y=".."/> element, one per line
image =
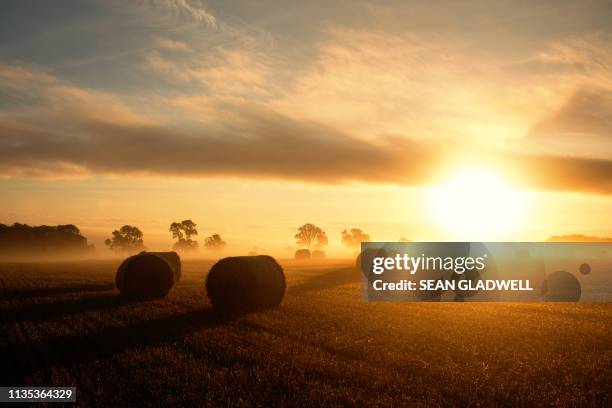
<point x="183" y="231"/>
<point x="19" y="239"/>
<point x="354" y="237"/>
<point x="127" y="238"/>
<point x="311" y="236"/>
<point x="214" y="242"/>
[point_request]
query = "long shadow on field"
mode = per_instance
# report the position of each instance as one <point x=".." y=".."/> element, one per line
<point x="45" y="311"/>
<point x="42" y="292"/>
<point x="335" y="277"/>
<point x="70" y="350"/>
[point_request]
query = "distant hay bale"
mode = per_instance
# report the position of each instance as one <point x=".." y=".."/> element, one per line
<point x="173" y="259"/>
<point x="302" y="254"/>
<point x="246" y="283"/>
<point x="318" y="254"/>
<point x="365" y="259"/>
<point x="561" y="286"/>
<point x="144" y="276"/>
<point x="585" y="269"/>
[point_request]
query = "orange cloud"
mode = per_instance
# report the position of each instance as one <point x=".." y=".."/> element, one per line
<point x="267" y="145"/>
<point x="169" y="44"/>
<point x="586" y="113"/>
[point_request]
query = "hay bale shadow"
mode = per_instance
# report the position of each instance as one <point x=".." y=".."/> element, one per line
<point x="330" y="279"/>
<point x="68" y="351"/>
<point x="45" y="311"/>
<point x="45" y="292"/>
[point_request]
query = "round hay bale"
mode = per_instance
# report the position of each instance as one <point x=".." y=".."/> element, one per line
<point x="365" y="262"/>
<point x="585" y="269"/>
<point x="144" y="276"/>
<point x="246" y="283"/>
<point x="302" y="254"/>
<point x="173" y="259"/>
<point x="365" y="259"/>
<point x="318" y="254"/>
<point x="561" y="286"/>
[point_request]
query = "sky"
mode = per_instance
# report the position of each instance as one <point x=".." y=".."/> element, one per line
<point x="471" y="120"/>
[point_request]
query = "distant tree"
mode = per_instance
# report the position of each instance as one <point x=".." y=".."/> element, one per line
<point x="354" y="237"/>
<point x="214" y="242"/>
<point x="21" y="239"/>
<point x="68" y="229"/>
<point x="183" y="231"/>
<point x="125" y="239"/>
<point x="311" y="236"/>
<point x="403" y="239"/>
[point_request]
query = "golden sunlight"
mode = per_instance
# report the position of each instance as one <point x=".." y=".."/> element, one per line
<point x="477" y="204"/>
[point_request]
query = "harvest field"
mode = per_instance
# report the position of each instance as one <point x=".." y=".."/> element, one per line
<point x="64" y="324"/>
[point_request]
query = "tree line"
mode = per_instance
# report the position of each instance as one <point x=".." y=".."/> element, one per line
<point x="44" y="240"/>
<point x="308" y="236"/>
<point x="130" y="238"/>
<point x="52" y="240"/>
<point x="47" y="240"/>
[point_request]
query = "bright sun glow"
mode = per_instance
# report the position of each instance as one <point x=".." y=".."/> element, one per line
<point x="477" y="205"/>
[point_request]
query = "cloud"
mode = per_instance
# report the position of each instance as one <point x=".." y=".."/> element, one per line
<point x="587" y="56"/>
<point x="221" y="72"/>
<point x="169" y="44"/>
<point x="555" y="173"/>
<point x="367" y="82"/>
<point x="24" y="80"/>
<point x="586" y="113"/>
<point x="262" y="144"/>
<point x="369" y="106"/>
<point x="72" y="132"/>
<point x="181" y="10"/>
<point x="40" y="99"/>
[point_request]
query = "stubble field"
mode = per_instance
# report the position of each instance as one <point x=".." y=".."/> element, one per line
<point x="64" y="324"/>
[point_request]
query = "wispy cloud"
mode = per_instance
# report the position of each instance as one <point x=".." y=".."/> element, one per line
<point x="181" y="9"/>
<point x="169" y="44"/>
<point x="375" y="96"/>
<point x="93" y="133"/>
<point x="587" y="113"/>
<point x="265" y="145"/>
<point x="43" y="101"/>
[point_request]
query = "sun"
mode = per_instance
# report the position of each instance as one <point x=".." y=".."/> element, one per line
<point x="477" y="205"/>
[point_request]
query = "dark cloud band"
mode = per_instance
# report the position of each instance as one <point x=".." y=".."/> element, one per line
<point x="267" y="145"/>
